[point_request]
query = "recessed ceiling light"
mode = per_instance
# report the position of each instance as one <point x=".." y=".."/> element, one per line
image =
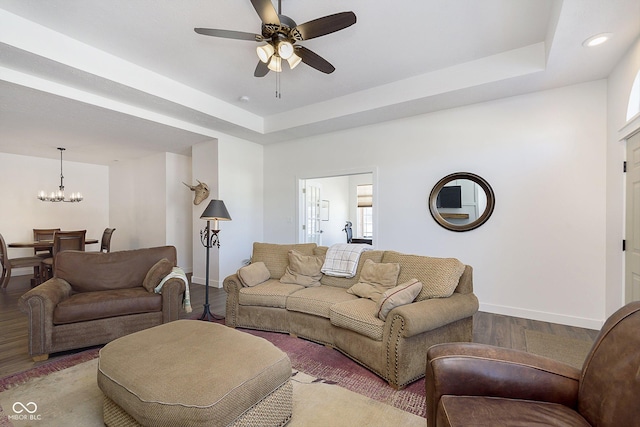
<point x="596" y="40"/>
<point x="244" y="98"/>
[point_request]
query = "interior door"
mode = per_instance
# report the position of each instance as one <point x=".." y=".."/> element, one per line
<point x="312" y="230"/>
<point x="632" y="233"/>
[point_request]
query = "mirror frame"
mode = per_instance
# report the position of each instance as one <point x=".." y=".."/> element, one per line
<point x="491" y="201"/>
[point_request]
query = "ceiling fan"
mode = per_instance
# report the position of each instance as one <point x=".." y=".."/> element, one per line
<point x="280" y="33"/>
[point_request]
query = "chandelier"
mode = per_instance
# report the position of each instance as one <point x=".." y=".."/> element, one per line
<point x="58" y="196"/>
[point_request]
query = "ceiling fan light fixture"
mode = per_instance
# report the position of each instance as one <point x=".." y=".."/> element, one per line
<point x="285" y="49"/>
<point x="265" y="52"/>
<point x="294" y="60"/>
<point x="275" y="64"/>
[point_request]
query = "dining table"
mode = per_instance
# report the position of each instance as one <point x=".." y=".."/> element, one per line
<point x="44" y="243"/>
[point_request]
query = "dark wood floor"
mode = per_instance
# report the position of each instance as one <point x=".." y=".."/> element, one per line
<point x="494" y="329"/>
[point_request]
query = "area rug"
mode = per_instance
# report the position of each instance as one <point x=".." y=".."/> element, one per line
<point x="71" y="397"/>
<point x="568" y="350"/>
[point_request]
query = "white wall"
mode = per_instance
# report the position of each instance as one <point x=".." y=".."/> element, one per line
<point x="150" y="206"/>
<point x="241" y="187"/>
<point x="204" y="167"/>
<point x="544" y="155"/>
<point x="233" y="169"/>
<point x="619" y="83"/>
<point x="20" y="211"/>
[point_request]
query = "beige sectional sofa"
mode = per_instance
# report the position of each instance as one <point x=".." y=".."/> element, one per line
<point x="394" y="348"/>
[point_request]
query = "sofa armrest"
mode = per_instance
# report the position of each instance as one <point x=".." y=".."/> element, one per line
<point x="471" y="369"/>
<point x="172" y="291"/>
<point x="427" y="315"/>
<point x="232" y="286"/>
<point x="39" y="303"/>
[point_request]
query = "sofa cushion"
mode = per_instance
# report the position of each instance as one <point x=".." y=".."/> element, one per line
<point x="317" y="300"/>
<point x="97" y="271"/>
<point x="457" y="411"/>
<point x="375" y="279"/>
<point x="271" y="293"/>
<point x="343" y="282"/>
<point x="86" y="306"/>
<point x="303" y="269"/>
<point x="395" y="297"/>
<point x="156" y="273"/>
<point x="439" y="276"/>
<point x="253" y="274"/>
<point x="275" y="256"/>
<point x="358" y="315"/>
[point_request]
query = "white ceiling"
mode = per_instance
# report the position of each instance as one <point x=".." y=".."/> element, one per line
<point x="120" y="79"/>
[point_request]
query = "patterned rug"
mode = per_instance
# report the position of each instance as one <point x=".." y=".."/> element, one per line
<point x="71" y="397"/>
<point x="327" y="365"/>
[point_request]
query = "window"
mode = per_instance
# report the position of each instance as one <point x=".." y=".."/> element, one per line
<point x="364" y="226"/>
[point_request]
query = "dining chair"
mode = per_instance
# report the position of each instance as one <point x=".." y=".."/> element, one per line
<point x="62" y="241"/>
<point x="40" y="234"/>
<point x="10" y="263"/>
<point x="105" y="245"/>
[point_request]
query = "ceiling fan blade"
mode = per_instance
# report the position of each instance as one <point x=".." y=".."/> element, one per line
<point x="228" y="34"/>
<point x="314" y="60"/>
<point x="266" y="11"/>
<point x="261" y="69"/>
<point x="322" y="26"/>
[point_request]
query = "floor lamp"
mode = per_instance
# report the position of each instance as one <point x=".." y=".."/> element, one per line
<point x="216" y="211"/>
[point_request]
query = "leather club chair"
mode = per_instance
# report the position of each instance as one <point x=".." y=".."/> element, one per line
<point x="471" y="384"/>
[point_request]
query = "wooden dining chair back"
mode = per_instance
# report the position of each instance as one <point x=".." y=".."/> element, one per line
<point x="40" y="234"/>
<point x="63" y="241"/>
<point x="105" y="244"/>
<point x="10" y="263"/>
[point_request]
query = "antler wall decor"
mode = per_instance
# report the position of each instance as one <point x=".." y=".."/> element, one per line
<point x="201" y="190"/>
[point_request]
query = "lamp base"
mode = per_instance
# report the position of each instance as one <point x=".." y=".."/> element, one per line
<point x="208" y="315"/>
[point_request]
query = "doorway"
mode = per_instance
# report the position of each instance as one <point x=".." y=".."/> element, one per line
<point x="327" y="203"/>
<point x="632" y="226"/>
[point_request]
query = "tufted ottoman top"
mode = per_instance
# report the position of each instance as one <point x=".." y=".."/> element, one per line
<point x="190" y="372"/>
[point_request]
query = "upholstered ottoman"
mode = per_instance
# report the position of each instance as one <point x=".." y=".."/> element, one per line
<point x="194" y="373"/>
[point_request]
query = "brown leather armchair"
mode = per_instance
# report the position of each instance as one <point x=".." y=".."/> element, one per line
<point x="471" y="384"/>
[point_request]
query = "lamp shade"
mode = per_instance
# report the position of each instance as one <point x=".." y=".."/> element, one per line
<point x="265" y="52"/>
<point x="216" y="210"/>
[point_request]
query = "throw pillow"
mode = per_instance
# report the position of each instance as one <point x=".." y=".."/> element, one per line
<point x="375" y="278"/>
<point x="156" y="273"/>
<point x="303" y="269"/>
<point x="253" y="274"/>
<point x="402" y="294"/>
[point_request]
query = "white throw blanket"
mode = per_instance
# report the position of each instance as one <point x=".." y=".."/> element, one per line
<point x="177" y="272"/>
<point x="342" y="259"/>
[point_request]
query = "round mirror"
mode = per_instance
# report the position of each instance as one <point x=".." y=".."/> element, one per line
<point x="461" y="201"/>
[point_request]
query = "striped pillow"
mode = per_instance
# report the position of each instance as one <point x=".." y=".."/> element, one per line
<point x="400" y="295"/>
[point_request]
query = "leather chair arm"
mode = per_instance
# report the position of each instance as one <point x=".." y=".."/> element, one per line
<point x="472" y="369"/>
<point x="427" y="315"/>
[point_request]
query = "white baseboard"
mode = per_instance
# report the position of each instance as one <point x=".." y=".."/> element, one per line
<point x="562" y="319"/>
<point x="201" y="280"/>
